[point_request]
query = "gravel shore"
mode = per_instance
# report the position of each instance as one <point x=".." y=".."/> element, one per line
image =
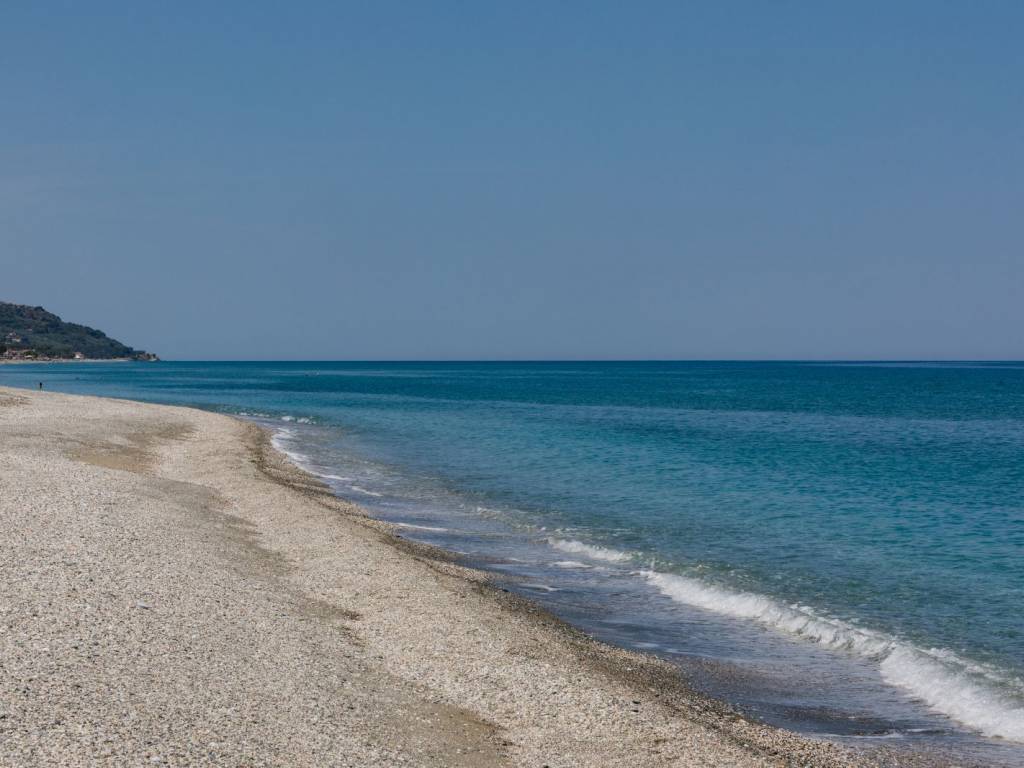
<point x="174" y="592"/>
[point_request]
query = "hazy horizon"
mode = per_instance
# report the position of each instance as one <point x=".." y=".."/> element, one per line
<point x="581" y="182"/>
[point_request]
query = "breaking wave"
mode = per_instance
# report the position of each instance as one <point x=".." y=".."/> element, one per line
<point x="280" y="440"/>
<point x="364" y="491"/>
<point x="421" y="527"/>
<point x="977" y="695"/>
<point x="573" y="547"/>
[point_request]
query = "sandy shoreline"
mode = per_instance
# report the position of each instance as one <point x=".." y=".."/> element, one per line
<point x="175" y="592"/>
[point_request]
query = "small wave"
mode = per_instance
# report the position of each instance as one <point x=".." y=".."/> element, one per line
<point x="574" y="547"/>
<point x="541" y="587"/>
<point x="571" y="564"/>
<point x="357" y="489"/>
<point x="963" y="690"/>
<point x="422" y="527"/>
<point x="284" y="435"/>
<point x="279" y="439"/>
<point x="960" y="690"/>
<point x="297" y="419"/>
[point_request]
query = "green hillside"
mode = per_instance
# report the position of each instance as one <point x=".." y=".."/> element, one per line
<point x="28" y="330"/>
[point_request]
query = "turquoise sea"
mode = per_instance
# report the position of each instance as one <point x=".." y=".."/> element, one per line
<point x="834" y="547"/>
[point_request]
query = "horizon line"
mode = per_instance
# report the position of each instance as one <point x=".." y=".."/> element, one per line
<point x="593" y="360"/>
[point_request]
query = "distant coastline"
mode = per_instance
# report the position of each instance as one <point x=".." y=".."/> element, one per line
<point x="31" y="361"/>
<point x="33" y="334"/>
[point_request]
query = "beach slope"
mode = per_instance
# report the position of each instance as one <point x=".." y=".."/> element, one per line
<point x="175" y="592"/>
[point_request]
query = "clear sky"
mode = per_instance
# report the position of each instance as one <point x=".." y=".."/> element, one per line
<point x="436" y="180"/>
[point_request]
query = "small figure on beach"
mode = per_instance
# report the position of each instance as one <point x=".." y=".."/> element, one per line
<point x="40" y="385"/>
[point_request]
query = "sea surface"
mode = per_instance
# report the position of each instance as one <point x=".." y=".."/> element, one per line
<point x="837" y="548"/>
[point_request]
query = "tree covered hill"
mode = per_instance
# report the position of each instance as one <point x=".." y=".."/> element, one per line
<point x="26" y="330"/>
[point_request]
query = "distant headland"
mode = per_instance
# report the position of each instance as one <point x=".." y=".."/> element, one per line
<point x="33" y="334"/>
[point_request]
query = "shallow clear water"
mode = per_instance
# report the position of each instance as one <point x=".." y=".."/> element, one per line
<point x="852" y="530"/>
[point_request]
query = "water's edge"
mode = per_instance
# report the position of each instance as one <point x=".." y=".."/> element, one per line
<point x="945" y="684"/>
<point x="832" y="549"/>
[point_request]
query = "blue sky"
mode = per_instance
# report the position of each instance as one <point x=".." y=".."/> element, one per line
<point x="519" y="180"/>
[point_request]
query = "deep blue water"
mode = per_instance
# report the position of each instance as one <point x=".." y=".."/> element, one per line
<point x="853" y="529"/>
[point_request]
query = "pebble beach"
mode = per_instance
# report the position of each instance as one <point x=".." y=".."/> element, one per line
<point x="175" y="592"/>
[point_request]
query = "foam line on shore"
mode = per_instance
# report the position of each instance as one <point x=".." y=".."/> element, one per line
<point x="974" y="694"/>
<point x="279" y="440"/>
<point x="573" y="547"/>
<point x="413" y="526"/>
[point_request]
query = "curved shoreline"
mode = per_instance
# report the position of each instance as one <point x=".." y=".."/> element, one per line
<point x="944" y="711"/>
<point x="345" y="640"/>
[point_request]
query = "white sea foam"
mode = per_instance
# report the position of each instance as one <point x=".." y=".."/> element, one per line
<point x="297" y="419"/>
<point x="974" y="694"/>
<point x="542" y="587"/>
<point x="284" y="436"/>
<point x="254" y="415"/>
<point x="966" y="692"/>
<point x="574" y="547"/>
<point x="977" y="695"/>
<point x="421" y="527"/>
<point x="280" y="439"/>
<point x="363" y="491"/>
